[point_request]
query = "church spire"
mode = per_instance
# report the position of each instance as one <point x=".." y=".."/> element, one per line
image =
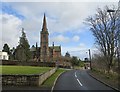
<point x="44" y="28"/>
<point x="53" y="45"/>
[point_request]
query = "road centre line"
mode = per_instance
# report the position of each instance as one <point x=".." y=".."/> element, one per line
<point x="79" y="82"/>
<point x="75" y="75"/>
<point x="78" y="79"/>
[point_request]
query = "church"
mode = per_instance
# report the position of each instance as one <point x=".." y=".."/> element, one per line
<point x="45" y="53"/>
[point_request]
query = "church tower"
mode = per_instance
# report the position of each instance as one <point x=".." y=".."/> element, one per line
<point x="44" y="51"/>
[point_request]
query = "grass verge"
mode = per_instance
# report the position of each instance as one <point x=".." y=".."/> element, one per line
<point x="23" y="69"/>
<point x="50" y="81"/>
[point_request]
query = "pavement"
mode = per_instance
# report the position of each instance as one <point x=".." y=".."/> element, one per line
<point x="79" y="80"/>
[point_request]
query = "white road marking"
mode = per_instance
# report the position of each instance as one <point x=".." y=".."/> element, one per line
<point x="79" y="82"/>
<point x="75" y="74"/>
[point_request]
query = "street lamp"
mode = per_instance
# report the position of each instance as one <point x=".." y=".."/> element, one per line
<point x="110" y="10"/>
<point x="118" y="46"/>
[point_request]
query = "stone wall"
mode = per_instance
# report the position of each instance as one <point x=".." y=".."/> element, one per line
<point x="26" y="80"/>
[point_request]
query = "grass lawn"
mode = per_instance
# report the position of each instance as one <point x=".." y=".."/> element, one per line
<point x="23" y="69"/>
<point x="50" y="81"/>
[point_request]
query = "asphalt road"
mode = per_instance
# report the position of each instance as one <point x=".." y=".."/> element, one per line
<point x="78" y="80"/>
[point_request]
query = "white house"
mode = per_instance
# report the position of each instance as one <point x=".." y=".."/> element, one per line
<point x="4" y="55"/>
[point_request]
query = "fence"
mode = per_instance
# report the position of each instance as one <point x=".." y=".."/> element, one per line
<point x="26" y="80"/>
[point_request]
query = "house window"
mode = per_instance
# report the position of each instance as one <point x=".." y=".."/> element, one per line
<point x="4" y="57"/>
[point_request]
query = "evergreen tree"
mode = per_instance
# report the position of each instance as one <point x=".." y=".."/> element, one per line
<point x="23" y="49"/>
<point x="6" y="48"/>
<point x="12" y="53"/>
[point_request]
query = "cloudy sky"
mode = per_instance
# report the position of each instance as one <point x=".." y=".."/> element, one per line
<point x="64" y="22"/>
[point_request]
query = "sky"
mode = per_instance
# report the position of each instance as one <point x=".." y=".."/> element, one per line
<point x="65" y="23"/>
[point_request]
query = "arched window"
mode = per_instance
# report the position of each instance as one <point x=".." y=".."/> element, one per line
<point x="44" y="50"/>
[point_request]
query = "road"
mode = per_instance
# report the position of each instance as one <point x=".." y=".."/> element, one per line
<point x="78" y="80"/>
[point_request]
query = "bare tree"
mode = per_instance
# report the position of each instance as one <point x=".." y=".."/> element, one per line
<point x="105" y="28"/>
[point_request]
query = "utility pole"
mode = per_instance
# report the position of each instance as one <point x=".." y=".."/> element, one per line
<point x="118" y="48"/>
<point x="90" y="59"/>
<point x="119" y="4"/>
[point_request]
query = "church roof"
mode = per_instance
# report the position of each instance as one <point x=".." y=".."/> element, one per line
<point x="33" y="49"/>
<point x="56" y="48"/>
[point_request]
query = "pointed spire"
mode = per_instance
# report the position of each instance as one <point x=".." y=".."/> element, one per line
<point x="36" y="45"/>
<point x="53" y="44"/>
<point x="44" y="28"/>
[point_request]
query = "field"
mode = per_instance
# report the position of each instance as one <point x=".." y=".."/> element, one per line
<point x="23" y="69"/>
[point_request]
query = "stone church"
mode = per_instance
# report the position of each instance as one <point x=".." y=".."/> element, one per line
<point x="45" y="53"/>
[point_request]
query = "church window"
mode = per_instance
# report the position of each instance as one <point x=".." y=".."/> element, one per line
<point x="44" y="49"/>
